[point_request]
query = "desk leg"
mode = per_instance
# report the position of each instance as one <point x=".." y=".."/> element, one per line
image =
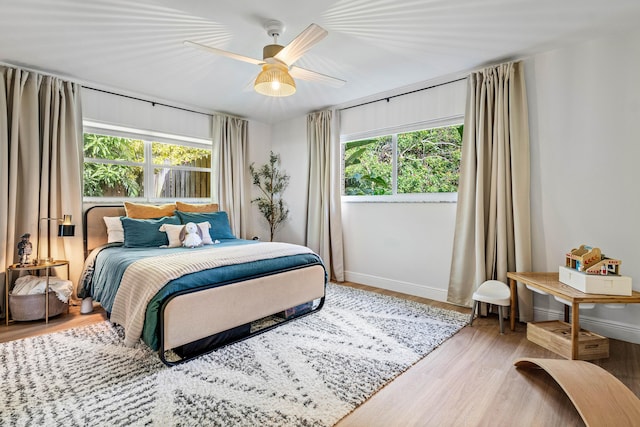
<point x="514" y="303"/>
<point x="575" y="330"/>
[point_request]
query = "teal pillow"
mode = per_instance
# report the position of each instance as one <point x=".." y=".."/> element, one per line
<point x="219" y="221"/>
<point x="145" y="233"/>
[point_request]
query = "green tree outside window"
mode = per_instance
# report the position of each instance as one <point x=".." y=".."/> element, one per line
<point x="428" y="161"/>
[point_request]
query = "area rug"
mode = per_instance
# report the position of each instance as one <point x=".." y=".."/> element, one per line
<point x="310" y="372"/>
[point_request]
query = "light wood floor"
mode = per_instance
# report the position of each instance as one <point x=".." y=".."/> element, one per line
<point x="19" y="330"/>
<point x="469" y="380"/>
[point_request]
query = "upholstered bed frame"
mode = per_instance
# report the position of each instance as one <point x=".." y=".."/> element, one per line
<point x="190" y="316"/>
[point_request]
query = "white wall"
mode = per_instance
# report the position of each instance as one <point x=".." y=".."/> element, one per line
<point x="404" y="247"/>
<point x="289" y="139"/>
<point x="584" y="104"/>
<point x="259" y="145"/>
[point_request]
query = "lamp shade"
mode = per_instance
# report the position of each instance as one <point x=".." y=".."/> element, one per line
<point x="66" y="229"/>
<point x="274" y="80"/>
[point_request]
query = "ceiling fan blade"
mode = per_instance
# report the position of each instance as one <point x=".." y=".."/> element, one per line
<point x="223" y="53"/>
<point x="312" y="76"/>
<point x="302" y="43"/>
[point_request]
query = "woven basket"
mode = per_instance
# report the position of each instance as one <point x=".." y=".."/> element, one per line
<point x="31" y="307"/>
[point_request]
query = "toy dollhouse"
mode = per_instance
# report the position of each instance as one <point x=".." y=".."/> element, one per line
<point x="591" y="261"/>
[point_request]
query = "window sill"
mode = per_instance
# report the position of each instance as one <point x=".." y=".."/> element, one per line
<point x="404" y="198"/>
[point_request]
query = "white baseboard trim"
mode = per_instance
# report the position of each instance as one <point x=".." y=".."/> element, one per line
<point x="397" y="286"/>
<point x="607" y="328"/>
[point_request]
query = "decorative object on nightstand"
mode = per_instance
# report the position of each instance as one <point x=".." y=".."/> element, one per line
<point x="24" y="250"/>
<point x="65" y="229"/>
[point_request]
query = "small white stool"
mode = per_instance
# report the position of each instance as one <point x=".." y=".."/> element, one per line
<point x="492" y="292"/>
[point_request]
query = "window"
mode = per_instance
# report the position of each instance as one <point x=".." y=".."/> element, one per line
<point x="368" y="166"/>
<point x="129" y="164"/>
<point x="404" y="164"/>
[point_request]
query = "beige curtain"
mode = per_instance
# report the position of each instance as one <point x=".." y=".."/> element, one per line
<point x="324" y="224"/>
<point x="40" y="166"/>
<point x="492" y="234"/>
<point x="230" y="135"/>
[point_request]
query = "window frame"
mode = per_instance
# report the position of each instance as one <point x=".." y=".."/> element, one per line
<point x="149" y="137"/>
<point x="393" y="132"/>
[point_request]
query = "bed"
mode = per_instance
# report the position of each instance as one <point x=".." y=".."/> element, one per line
<point x="193" y="300"/>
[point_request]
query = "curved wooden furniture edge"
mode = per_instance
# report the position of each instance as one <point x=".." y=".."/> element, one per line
<point x="600" y="398"/>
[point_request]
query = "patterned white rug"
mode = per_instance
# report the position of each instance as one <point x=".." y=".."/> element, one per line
<point x="310" y="372"/>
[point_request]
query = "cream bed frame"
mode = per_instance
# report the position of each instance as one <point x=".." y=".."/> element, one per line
<point x="193" y="315"/>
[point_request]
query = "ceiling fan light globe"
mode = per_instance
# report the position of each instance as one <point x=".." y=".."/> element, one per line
<point x="274" y="80"/>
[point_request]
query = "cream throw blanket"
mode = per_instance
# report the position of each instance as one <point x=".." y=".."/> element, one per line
<point x="29" y="285"/>
<point x="144" y="278"/>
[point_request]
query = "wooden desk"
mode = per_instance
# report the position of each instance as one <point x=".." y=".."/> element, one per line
<point x="549" y="283"/>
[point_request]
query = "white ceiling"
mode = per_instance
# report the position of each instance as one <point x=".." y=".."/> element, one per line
<point x="135" y="47"/>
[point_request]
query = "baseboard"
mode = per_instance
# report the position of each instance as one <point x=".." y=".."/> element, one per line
<point x="397" y="286"/>
<point x="607" y="328"/>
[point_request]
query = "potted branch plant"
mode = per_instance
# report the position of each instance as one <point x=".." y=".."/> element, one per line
<point x="272" y="182"/>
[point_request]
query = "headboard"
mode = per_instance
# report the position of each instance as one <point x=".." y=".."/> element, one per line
<point x="95" y="229"/>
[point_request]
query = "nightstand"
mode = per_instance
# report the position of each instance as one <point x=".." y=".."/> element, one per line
<point x="46" y="267"/>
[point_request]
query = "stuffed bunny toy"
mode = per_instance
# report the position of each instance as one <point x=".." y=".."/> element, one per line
<point x="191" y="235"/>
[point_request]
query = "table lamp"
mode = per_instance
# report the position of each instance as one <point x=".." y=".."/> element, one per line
<point x="65" y="229"/>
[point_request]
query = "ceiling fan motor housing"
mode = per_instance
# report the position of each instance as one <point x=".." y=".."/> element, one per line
<point x="271" y="50"/>
<point x="274" y="29"/>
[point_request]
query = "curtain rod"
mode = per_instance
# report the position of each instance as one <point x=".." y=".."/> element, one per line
<point x="153" y="103"/>
<point x="83" y="84"/>
<point x="387" y="98"/>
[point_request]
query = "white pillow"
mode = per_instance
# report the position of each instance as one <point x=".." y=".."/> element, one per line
<point x="115" y="231"/>
<point x="206" y="235"/>
<point x="173" y="234"/>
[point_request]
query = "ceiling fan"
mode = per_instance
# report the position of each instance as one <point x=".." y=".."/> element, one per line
<point x="278" y="71"/>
